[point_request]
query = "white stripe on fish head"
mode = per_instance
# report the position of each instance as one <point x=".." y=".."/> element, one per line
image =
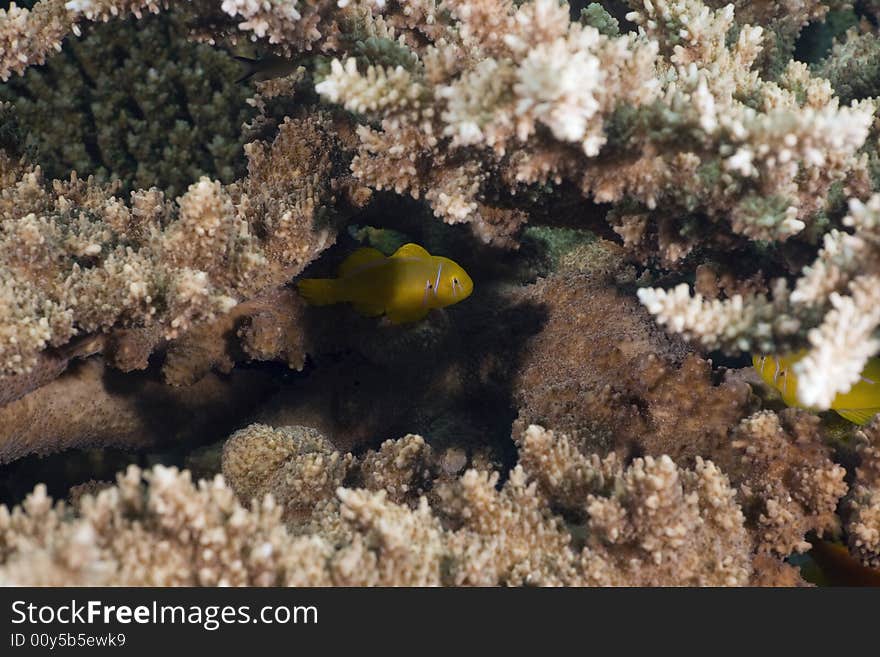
<point x="437" y="282"/>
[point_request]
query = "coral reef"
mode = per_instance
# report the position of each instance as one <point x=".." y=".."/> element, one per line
<point x="647" y="523"/>
<point x="643" y="195"/>
<point x="862" y="515"/>
<point x="833" y="304"/>
<point x="104" y="545"/>
<point x="600" y="371"/>
<point x="92" y="405"/>
<point x="77" y="260"/>
<point x="163" y="126"/>
<point x="789" y="486"/>
<point x="672" y="120"/>
<point x="296" y="464"/>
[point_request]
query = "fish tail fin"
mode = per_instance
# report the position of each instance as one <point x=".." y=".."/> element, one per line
<point x="253" y="65"/>
<point x="319" y="291"/>
<point x="857" y="415"/>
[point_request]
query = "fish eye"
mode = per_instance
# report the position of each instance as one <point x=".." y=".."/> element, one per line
<point x="454" y="281"/>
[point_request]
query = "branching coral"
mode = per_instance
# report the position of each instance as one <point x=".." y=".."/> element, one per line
<point x="78" y="260"/>
<point x="673" y="118"/>
<point x="176" y="534"/>
<point x="853" y="65"/>
<point x="650" y="522"/>
<point x="788" y="484"/>
<point x="862" y="506"/>
<point x="834" y="304"/>
<point x="27" y="36"/>
<point x="134" y="101"/>
<point x="491" y="97"/>
<point x="708" y="142"/>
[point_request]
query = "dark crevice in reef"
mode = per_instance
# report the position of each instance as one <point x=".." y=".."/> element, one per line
<point x="448" y="378"/>
<point x="64" y="470"/>
<point x="128" y="418"/>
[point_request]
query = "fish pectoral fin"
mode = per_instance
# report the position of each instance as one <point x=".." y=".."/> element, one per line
<point x="368" y="309"/>
<point x="410" y="251"/>
<point x="318" y="291"/>
<point x="407" y="316"/>
<point x="358" y="260"/>
<point x="857" y="415"/>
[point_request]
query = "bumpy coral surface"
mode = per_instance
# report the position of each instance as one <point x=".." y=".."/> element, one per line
<point x="600" y="370"/>
<point x="863" y="504"/>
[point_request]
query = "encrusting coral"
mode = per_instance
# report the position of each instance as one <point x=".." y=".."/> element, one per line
<point x="602" y="372"/>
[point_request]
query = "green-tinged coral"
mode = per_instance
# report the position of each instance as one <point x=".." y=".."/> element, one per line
<point x="133" y="101"/>
<point x="817" y="39"/>
<point x="384" y="239"/>
<point x="557" y="243"/>
<point x="853" y="66"/>
<point x="595" y="15"/>
<point x="382" y="51"/>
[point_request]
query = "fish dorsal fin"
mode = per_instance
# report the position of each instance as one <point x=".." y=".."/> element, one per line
<point x="411" y="251"/>
<point x="358" y="260"/>
<point x="857" y="415"/>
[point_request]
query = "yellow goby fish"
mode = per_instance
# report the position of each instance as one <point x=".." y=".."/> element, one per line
<point x="858" y="405"/>
<point x="404" y="286"/>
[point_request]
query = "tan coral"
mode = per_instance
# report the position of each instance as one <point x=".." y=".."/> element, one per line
<point x="491" y="88"/>
<point x="171" y="533"/>
<point x="295" y="464"/>
<point x="27" y="36"/>
<point x="649" y="523"/>
<point x="78" y="260"/>
<point x="599" y="370"/>
<point x="862" y="506"/>
<point x="404" y="468"/>
<point x="789" y="486"/>
<point x="90" y="405"/>
<point x="265" y="328"/>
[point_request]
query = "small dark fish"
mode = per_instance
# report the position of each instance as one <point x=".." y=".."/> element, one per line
<point x="266" y="68"/>
<point x="839" y="568"/>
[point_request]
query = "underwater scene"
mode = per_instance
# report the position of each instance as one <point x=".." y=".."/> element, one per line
<point x="440" y="293"/>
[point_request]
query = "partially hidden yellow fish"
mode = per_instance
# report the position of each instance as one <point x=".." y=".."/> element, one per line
<point x="404" y="286"/>
<point x="858" y="405"/>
